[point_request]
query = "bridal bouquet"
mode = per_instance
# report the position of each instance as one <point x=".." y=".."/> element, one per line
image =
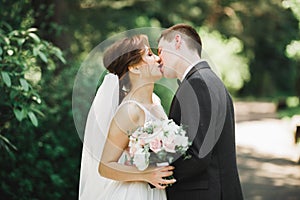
<point x="157" y="142"/>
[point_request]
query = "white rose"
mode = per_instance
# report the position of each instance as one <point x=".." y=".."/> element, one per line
<point x="181" y="141"/>
<point x="134" y="148"/>
<point x="136" y="133"/>
<point x="158" y="123"/>
<point x="148" y="124"/>
<point x="165" y="123"/>
<point x="141" y="159"/>
<point x="170" y="128"/>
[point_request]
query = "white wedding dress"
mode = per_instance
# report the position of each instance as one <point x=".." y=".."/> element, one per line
<point x="116" y="190"/>
<point x="92" y="185"/>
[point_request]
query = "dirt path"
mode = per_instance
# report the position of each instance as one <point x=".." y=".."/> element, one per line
<point x="267" y="157"/>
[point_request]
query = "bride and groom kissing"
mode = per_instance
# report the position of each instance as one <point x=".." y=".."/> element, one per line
<point x="125" y="101"/>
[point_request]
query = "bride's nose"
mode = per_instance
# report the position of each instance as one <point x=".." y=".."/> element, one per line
<point x="157" y="59"/>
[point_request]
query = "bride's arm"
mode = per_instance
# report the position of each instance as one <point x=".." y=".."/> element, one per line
<point x="128" y="118"/>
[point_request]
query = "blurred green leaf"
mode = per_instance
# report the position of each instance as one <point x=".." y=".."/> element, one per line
<point x="32" y="29"/>
<point x="7" y="41"/>
<point x="25" y="55"/>
<point x="61" y="58"/>
<point x="13" y="94"/>
<point x="8" y="142"/>
<point x="35" y="51"/>
<point x="56" y="179"/>
<point x="21" y="41"/>
<point x="19" y="114"/>
<point x="34" y="37"/>
<point x="38" y="112"/>
<point x="24" y="84"/>
<point x="43" y="56"/>
<point x="6" y="78"/>
<point x="33" y="118"/>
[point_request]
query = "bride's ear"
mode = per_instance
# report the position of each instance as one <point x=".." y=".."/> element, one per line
<point x="134" y="69"/>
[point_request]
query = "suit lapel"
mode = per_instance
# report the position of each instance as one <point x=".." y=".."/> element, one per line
<point x="174" y="107"/>
<point x="197" y="67"/>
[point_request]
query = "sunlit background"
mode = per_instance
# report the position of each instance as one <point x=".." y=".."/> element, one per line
<point x="254" y="46"/>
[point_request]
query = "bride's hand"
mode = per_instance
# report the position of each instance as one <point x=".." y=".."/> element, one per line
<point x="156" y="175"/>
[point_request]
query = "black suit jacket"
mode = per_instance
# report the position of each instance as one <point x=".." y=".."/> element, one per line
<point x="203" y="104"/>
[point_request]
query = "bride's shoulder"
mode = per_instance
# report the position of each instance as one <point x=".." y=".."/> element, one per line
<point x="129" y="111"/>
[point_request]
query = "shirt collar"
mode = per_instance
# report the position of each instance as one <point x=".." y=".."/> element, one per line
<point x="189" y="69"/>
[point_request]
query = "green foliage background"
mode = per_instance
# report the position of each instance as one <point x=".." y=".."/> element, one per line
<point x="254" y="45"/>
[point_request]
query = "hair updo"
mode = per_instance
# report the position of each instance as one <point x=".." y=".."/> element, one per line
<point x="122" y="54"/>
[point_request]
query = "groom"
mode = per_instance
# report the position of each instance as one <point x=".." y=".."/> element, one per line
<point x="203" y="104"/>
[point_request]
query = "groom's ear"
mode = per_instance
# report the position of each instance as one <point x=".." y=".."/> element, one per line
<point x="178" y="41"/>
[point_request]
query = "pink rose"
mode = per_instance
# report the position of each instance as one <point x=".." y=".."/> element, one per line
<point x="155" y="145"/>
<point x="169" y="145"/>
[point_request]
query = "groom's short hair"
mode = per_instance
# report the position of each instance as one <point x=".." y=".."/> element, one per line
<point x="192" y="38"/>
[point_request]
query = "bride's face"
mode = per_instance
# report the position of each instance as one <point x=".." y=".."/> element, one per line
<point x="150" y="66"/>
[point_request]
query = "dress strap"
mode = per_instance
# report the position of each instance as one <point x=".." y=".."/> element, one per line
<point x="137" y="103"/>
<point x="148" y="114"/>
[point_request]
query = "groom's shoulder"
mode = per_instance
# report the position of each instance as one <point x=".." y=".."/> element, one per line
<point x="203" y="64"/>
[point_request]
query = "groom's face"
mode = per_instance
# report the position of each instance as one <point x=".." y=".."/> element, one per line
<point x="168" y="57"/>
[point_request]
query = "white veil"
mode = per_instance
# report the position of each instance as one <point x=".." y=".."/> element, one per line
<point x="103" y="108"/>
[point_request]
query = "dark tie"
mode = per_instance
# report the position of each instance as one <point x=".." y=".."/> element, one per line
<point x="178" y="82"/>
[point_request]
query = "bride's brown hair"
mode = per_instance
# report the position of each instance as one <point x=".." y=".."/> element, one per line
<point x="122" y="54"/>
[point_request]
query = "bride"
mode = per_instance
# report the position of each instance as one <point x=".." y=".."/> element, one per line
<point x="124" y="101"/>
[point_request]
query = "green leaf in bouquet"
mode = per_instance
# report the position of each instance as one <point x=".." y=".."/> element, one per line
<point x="187" y="156"/>
<point x="170" y="159"/>
<point x="148" y="128"/>
<point x="162" y="155"/>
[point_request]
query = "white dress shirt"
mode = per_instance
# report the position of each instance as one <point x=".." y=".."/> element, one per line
<point x="189" y="69"/>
